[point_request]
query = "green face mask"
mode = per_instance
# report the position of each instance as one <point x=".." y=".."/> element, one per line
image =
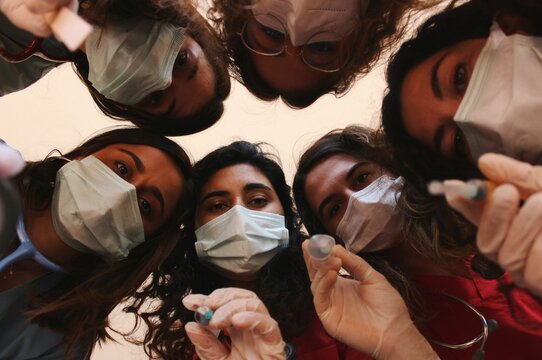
<point x="132" y="58"/>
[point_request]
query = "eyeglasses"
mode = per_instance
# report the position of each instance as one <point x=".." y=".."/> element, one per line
<point x="264" y="34"/>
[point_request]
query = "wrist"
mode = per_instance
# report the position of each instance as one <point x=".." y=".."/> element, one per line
<point x="407" y="344"/>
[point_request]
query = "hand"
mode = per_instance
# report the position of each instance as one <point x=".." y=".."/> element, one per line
<point x="11" y="161"/>
<point x="254" y="333"/>
<point x="366" y="312"/>
<point x="507" y="233"/>
<point x="29" y="15"/>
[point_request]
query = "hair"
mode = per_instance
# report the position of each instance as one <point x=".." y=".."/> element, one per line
<point x="282" y="284"/>
<point x="184" y="14"/>
<point x="78" y="307"/>
<point x="433" y="229"/>
<point x="381" y="25"/>
<point x="438" y="32"/>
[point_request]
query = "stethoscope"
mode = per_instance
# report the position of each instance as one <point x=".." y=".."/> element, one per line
<point x="488" y="326"/>
<point x="33" y="49"/>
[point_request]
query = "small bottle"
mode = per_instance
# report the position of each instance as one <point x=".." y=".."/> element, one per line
<point x="203" y="315"/>
<point x="321" y="246"/>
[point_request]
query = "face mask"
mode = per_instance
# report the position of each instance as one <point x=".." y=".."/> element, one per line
<point x="95" y="211"/>
<point x="133" y="58"/>
<point x="314" y="20"/>
<point x="371" y="221"/>
<point x="240" y="242"/>
<point x="501" y="109"/>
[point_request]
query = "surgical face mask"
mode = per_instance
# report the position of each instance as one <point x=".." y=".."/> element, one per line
<point x="372" y="221"/>
<point x="501" y="109"/>
<point x="133" y="58"/>
<point x="96" y="211"/>
<point x="240" y="242"/>
<point x="314" y="20"/>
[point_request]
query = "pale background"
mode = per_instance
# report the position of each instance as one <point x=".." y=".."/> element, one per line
<point x="57" y="112"/>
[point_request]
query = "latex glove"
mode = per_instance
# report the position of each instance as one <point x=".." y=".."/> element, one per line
<point x="29" y="14"/>
<point x="11" y="161"/>
<point x="254" y="333"/>
<point x="508" y="234"/>
<point x="366" y="312"/>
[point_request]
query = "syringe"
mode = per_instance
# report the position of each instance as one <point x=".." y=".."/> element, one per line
<point x="474" y="189"/>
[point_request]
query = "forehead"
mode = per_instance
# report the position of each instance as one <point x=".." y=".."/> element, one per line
<point x="234" y="178"/>
<point x="331" y="169"/>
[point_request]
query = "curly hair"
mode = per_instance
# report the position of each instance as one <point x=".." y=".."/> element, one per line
<point x="78" y="307"/>
<point x="381" y="26"/>
<point x="185" y="14"/>
<point x="439" y="32"/>
<point x="282" y="284"/>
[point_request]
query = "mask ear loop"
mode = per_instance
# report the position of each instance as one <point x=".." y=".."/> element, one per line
<point x="27" y="250"/>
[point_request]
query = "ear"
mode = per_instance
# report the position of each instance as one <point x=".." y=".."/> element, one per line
<point x="511" y="23"/>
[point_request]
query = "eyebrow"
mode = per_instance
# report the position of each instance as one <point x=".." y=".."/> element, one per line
<point x="141" y="168"/>
<point x="435" y="86"/>
<point x="213" y="194"/>
<point x="330" y="198"/>
<point x="253" y="186"/>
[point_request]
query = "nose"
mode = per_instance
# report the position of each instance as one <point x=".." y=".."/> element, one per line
<point x="291" y="49"/>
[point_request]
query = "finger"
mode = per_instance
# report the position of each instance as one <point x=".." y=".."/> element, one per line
<point x="533" y="271"/>
<point x="500" y="210"/>
<point x="471" y="210"/>
<point x="306" y="256"/>
<point x="208" y="347"/>
<point x="222" y="317"/>
<point x="193" y="301"/>
<point x="503" y="169"/>
<point x="332" y="264"/>
<point x="261" y="325"/>
<point x="524" y="230"/>
<point x="356" y="266"/>
<point x="222" y="296"/>
<point x="45" y="6"/>
<point x="26" y="20"/>
<point x="322" y="293"/>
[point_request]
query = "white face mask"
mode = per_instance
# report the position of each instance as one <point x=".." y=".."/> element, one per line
<point x="371" y="221"/>
<point x="240" y="242"/>
<point x="133" y="58"/>
<point x="303" y="19"/>
<point x="501" y="109"/>
<point x="95" y="211"/>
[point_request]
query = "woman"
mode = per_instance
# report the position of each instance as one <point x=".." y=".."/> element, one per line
<point x="242" y="232"/>
<point x="347" y="186"/>
<point x="470" y="98"/>
<point x="173" y="80"/>
<point x="103" y="216"/>
<point x="301" y="50"/>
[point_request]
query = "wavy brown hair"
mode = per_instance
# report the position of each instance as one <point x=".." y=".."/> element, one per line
<point x="382" y="24"/>
<point x="182" y="13"/>
<point x="79" y="305"/>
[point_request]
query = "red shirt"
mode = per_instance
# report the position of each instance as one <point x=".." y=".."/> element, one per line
<point x="316" y="344"/>
<point x="518" y="313"/>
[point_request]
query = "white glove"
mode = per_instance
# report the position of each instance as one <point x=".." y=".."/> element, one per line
<point x="254" y="333"/>
<point x="11" y="161"/>
<point x="29" y="15"/>
<point x="508" y="234"/>
<point x="366" y="313"/>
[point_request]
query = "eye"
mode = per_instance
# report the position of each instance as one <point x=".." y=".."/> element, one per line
<point x="360" y="180"/>
<point x="460" y="146"/>
<point x="122" y="169"/>
<point x="334" y="210"/>
<point x="155" y="98"/>
<point x="144" y="206"/>
<point x="460" y="79"/>
<point x="217" y="207"/>
<point x="272" y="33"/>
<point x="322" y="46"/>
<point x="182" y="59"/>
<point x="259" y="201"/>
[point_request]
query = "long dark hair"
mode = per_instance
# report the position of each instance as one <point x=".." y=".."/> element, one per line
<point x="453" y="25"/>
<point x="282" y="284"/>
<point x="382" y="24"/>
<point x="79" y="305"/>
<point x="184" y="14"/>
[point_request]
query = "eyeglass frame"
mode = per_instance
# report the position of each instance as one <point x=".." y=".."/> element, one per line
<point x="284" y="45"/>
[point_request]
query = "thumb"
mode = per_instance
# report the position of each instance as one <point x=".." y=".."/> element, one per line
<point x="260" y="324"/>
<point x="503" y="169"/>
<point x="208" y="347"/>
<point x="355" y="265"/>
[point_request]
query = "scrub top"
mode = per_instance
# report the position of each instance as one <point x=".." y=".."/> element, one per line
<point x="17" y="76"/>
